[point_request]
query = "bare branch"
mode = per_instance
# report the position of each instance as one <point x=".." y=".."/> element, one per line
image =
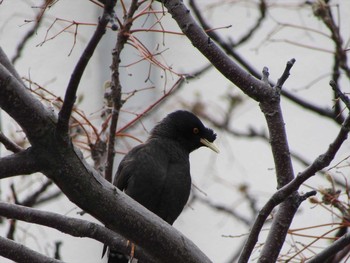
<point x="8" y="65"/>
<point x="70" y="96"/>
<point x="48" y="197"/>
<point x="31" y="32"/>
<point x="72" y="226"/>
<point x="331" y="250"/>
<point x="9" y="145"/>
<point x="285" y="74"/>
<point x="340" y="94"/>
<point x="28" y="112"/>
<point x="247" y="36"/>
<point x="84" y="186"/>
<point x="321" y="162"/>
<point x="116" y="87"/>
<point x="323" y="11"/>
<point x="249" y="85"/>
<point x="222" y="208"/>
<point x="228" y="48"/>
<point x="9" y="165"/>
<point x="31" y="200"/>
<point x="20" y="253"/>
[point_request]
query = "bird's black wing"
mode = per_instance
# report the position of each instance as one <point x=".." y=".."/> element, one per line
<point x="124" y="171"/>
<point x="157" y="176"/>
<point x="141" y="174"/>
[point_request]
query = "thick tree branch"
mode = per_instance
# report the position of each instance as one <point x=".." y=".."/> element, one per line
<point x="70" y="96"/>
<point x="28" y="112"/>
<point x="21" y="163"/>
<point x="4" y="60"/>
<point x="72" y="226"/>
<point x="254" y="88"/>
<point x="20" y="253"/>
<point x="331" y="250"/>
<point x="9" y="145"/>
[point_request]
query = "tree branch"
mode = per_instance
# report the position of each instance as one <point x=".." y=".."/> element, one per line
<point x="285" y="74"/>
<point x="70" y="96"/>
<point x="116" y="86"/>
<point x="221" y="208"/>
<point x="72" y="226"/>
<point x="32" y="31"/>
<point x="32" y="199"/>
<point x="254" y="88"/>
<point x="320" y="162"/>
<point x="331" y="250"/>
<point x="215" y="36"/>
<point x="28" y="112"/>
<point x="4" y="60"/>
<point x="284" y="172"/>
<point x="340" y="94"/>
<point x="324" y="12"/>
<point x="9" y="165"/>
<point x="9" y="145"/>
<point x="20" y="253"/>
<point x="228" y="48"/>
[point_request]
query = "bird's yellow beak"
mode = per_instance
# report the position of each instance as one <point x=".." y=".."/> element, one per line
<point x="209" y="145"/>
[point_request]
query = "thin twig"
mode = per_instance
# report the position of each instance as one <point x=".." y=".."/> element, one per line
<point x="31" y="200"/>
<point x="31" y="32"/>
<point x="10" y="145"/>
<point x="70" y="96"/>
<point x="340" y="94"/>
<point x="116" y="87"/>
<point x="285" y="74"/>
<point x="152" y="106"/>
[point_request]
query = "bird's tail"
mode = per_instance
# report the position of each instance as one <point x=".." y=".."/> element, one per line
<point x="114" y="256"/>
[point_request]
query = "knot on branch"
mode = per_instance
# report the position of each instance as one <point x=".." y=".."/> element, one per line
<point x="322" y="161"/>
<point x="340" y="94"/>
<point x="305" y="196"/>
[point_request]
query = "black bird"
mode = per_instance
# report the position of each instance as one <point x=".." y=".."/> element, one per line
<point x="157" y="173"/>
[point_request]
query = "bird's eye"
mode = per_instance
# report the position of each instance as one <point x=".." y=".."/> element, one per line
<point x="195" y="130"/>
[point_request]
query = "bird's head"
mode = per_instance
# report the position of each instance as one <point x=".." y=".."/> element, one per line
<point x="187" y="129"/>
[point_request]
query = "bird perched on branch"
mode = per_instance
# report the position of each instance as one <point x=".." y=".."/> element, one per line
<point x="157" y="173"/>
